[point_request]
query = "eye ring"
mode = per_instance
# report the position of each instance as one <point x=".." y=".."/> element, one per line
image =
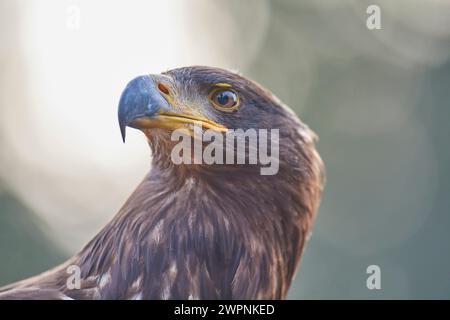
<point x="224" y="99"/>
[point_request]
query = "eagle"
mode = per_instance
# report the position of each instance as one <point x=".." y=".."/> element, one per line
<point x="197" y="230"/>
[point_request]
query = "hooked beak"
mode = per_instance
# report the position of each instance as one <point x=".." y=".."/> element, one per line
<point x="142" y="106"/>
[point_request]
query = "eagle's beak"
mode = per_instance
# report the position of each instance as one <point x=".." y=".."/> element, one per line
<point x="142" y="106"/>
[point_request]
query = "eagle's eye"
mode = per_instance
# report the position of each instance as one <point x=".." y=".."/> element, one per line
<point x="224" y="99"/>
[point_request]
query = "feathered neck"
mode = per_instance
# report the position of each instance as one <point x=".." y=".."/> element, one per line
<point x="228" y="234"/>
<point x="195" y="237"/>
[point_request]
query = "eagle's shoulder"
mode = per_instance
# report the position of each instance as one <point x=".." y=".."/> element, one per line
<point x="33" y="293"/>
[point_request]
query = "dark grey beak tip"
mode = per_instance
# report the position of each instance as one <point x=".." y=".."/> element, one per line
<point x="123" y="132"/>
<point x="122" y="122"/>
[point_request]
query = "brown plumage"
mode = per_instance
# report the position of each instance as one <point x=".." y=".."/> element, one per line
<point x="198" y="231"/>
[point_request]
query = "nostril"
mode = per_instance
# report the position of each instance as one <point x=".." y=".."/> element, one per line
<point x="163" y="88"/>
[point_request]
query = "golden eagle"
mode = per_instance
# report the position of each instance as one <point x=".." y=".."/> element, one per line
<point x="200" y="230"/>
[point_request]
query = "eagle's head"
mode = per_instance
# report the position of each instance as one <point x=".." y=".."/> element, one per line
<point x="223" y="103"/>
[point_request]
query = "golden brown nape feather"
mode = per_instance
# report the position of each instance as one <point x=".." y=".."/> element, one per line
<point x="197" y="231"/>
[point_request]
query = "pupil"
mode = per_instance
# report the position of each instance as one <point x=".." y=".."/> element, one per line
<point x="224" y="98"/>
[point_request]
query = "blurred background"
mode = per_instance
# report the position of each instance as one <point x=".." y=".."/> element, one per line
<point x="379" y="100"/>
